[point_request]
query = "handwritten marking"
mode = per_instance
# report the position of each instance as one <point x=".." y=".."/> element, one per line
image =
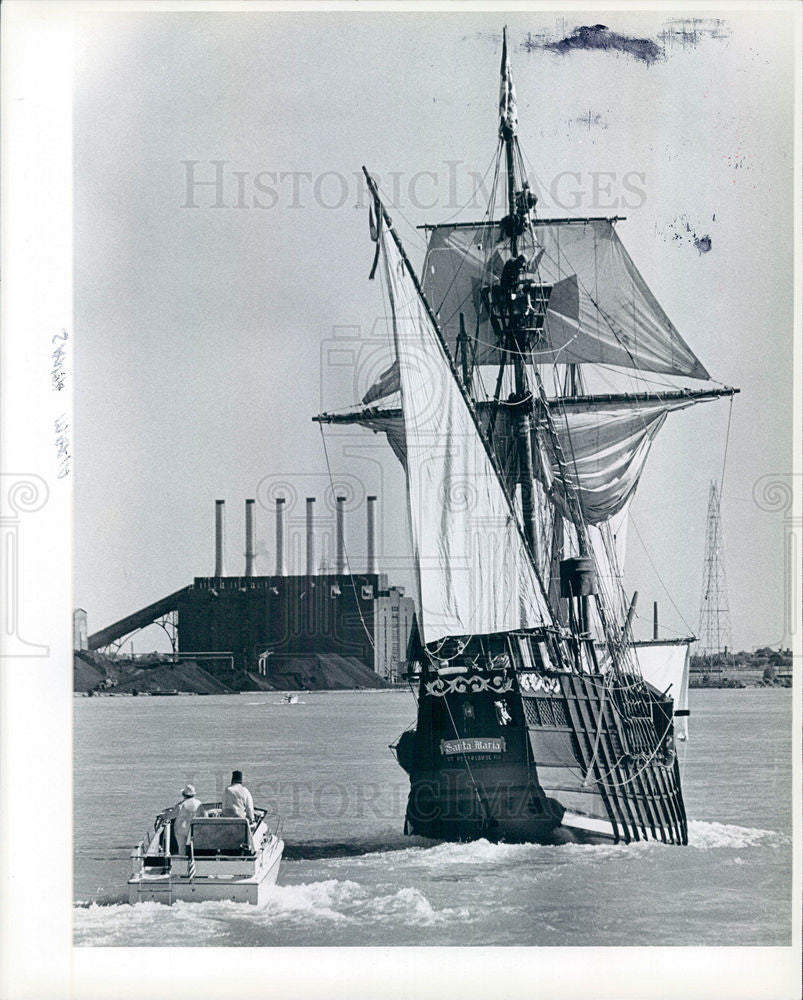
<point x="58" y="380"/>
<point x="58" y="374"/>
<point x="62" y="441"/>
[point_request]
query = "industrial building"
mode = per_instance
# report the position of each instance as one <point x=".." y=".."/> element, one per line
<point x="253" y="623"/>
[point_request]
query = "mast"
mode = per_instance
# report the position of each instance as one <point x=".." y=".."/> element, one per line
<point x="571" y="381"/>
<point x="516" y="334"/>
<point x="462" y="351"/>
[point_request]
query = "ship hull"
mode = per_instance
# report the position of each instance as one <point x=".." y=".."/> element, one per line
<point x="544" y="759"/>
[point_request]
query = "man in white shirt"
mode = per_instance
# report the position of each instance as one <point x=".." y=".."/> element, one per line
<point x="186" y="810"/>
<point x="237" y="799"/>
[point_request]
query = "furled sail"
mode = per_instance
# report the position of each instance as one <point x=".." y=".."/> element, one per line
<point x="606" y="441"/>
<point x="606" y="449"/>
<point x="475" y="575"/>
<point x="599" y="309"/>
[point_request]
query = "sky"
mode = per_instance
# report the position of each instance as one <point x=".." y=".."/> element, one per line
<point x="222" y="256"/>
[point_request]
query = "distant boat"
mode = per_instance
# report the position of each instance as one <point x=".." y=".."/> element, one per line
<point x="289" y="699"/>
<point x="538" y="719"/>
<point x="224" y="860"/>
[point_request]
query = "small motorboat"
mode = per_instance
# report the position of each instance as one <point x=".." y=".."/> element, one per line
<point x="225" y="859"/>
<point x="289" y="699"/>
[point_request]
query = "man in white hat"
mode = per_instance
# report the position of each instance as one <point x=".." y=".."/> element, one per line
<point x="189" y="807"/>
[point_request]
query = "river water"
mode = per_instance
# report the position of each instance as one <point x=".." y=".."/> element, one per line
<point x="349" y="876"/>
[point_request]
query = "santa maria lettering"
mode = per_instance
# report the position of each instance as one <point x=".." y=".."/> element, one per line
<point x="472" y="745"/>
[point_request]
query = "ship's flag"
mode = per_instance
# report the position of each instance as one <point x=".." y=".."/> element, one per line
<point x="191" y="863"/>
<point x="508" y="111"/>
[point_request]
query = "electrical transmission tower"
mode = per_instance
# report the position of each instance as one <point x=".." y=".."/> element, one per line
<point x="715" y="619"/>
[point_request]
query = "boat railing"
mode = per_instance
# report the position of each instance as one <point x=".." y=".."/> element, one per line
<point x="273" y="822"/>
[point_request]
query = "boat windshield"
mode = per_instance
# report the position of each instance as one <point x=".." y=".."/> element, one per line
<point x="221" y="836"/>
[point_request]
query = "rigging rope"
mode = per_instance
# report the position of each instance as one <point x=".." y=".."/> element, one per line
<point x="416" y="236"/>
<point x="483" y="806"/>
<point x="660" y="578"/>
<point x="725" y="453"/>
<point x="599" y="734"/>
<point x="494" y="159"/>
<point x="345" y="547"/>
<point x="481" y="225"/>
<point x="628" y="781"/>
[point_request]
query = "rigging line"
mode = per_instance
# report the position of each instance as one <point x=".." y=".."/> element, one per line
<point x="345" y="547"/>
<point x="446" y="355"/>
<point x="604" y="600"/>
<point x="641" y="377"/>
<point x="489" y="225"/>
<point x="531" y="172"/>
<point x="494" y="159"/>
<point x="483" y="807"/>
<point x="582" y="284"/>
<point x="660" y="578"/>
<point x="388" y="315"/>
<point x="600" y="311"/>
<point x="502" y="482"/>
<point x="416" y="236"/>
<point x="665" y="628"/>
<point x="725" y="454"/>
<point x="651" y="431"/>
<point x="597" y="306"/>
<point x="481" y="225"/>
<point x="646" y="763"/>
<point x="415" y="699"/>
<point x="599" y="734"/>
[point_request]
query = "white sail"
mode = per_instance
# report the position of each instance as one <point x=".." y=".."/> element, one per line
<point x="475" y="575"/>
<point x="600" y="309"/>
<point x="665" y="665"/>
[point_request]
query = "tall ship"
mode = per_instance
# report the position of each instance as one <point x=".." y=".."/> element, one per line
<point x="522" y="404"/>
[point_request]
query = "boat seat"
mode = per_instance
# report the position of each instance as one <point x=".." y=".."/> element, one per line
<point x="213" y="836"/>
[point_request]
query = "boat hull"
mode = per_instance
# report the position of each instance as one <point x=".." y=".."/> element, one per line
<point x="175" y="885"/>
<point x="542" y="758"/>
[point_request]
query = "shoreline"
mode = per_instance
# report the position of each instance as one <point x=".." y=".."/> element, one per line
<point x="236" y="694"/>
<point x="726" y="684"/>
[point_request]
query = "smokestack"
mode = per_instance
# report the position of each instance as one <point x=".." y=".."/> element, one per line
<point x="310" y="536"/>
<point x="655" y="619"/>
<point x="340" y="557"/>
<point x="631" y="611"/>
<point x="280" y="570"/>
<point x="220" y="537"/>
<point x="371" y="521"/>
<point x="250" y="555"/>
